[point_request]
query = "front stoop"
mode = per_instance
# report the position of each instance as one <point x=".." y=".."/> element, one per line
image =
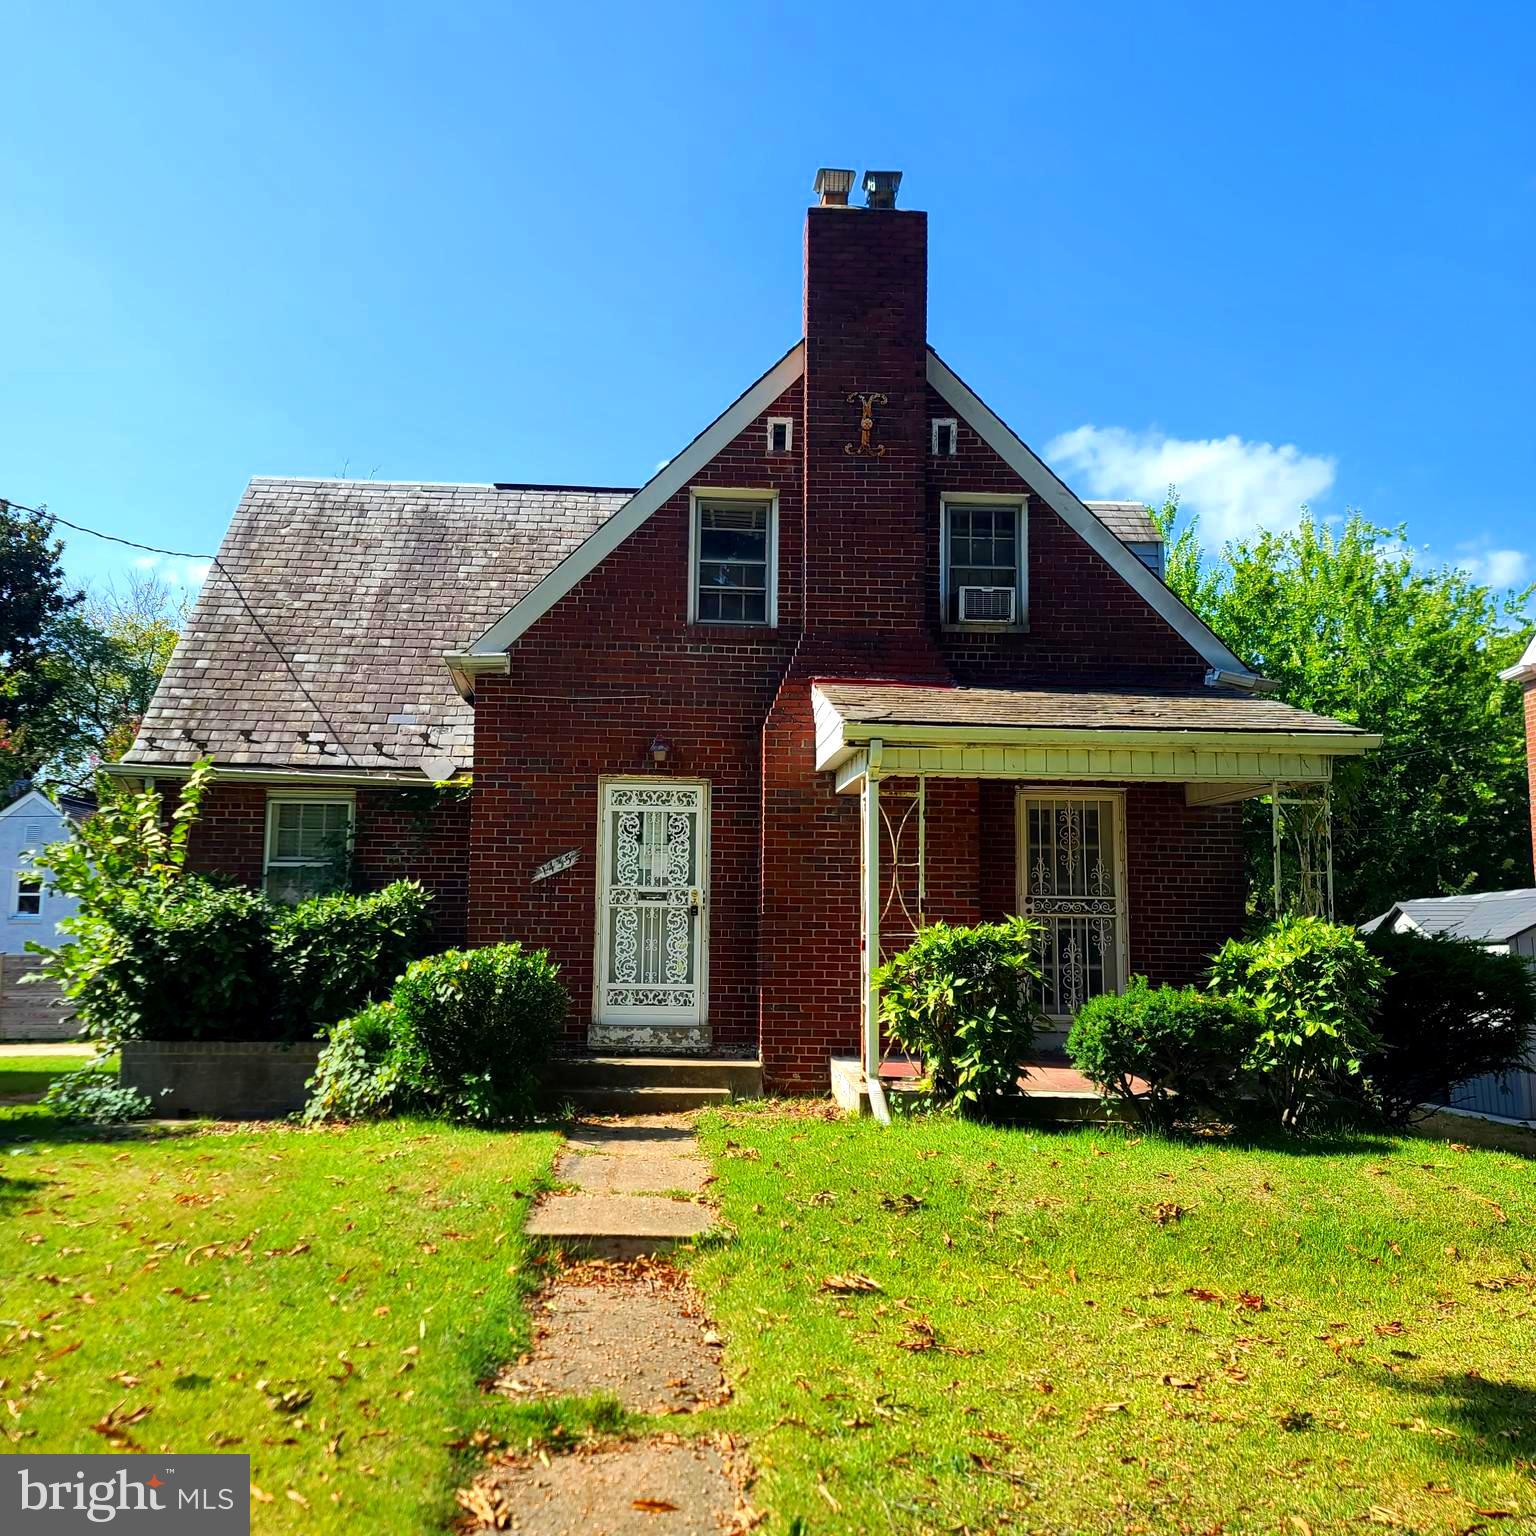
<point x="642" y="1085"/>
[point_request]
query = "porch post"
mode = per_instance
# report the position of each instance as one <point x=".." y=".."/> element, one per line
<point x="870" y="904"/>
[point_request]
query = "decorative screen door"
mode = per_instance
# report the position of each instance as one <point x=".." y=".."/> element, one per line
<point x="653" y="930"/>
<point x="1072" y="879"/>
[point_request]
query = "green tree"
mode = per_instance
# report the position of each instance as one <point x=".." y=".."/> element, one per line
<point x="1349" y="623"/>
<point x="33" y="597"/>
<point x="102" y="662"/>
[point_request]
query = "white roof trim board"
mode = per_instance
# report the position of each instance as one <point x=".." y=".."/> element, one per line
<point x="1524" y="670"/>
<point x="1014" y="452"/>
<point x="675" y="476"/>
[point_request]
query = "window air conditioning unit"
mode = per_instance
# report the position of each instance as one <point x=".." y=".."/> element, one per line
<point x="986" y="605"/>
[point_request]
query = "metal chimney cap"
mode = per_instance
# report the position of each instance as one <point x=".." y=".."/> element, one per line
<point x="833" y="186"/>
<point x="880" y="188"/>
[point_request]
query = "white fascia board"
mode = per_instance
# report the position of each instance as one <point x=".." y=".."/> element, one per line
<point x="1012" y="449"/>
<point x="674" y="477"/>
<point x="1524" y="670"/>
<point x="294" y="776"/>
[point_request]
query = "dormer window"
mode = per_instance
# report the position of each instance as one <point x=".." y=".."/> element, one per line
<point x="946" y="432"/>
<point x="781" y="434"/>
<point x="982" y="562"/>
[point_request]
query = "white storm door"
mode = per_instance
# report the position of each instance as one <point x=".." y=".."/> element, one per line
<point x="653" y="932"/>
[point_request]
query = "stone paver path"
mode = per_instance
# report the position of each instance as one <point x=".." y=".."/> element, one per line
<point x="622" y="1322"/>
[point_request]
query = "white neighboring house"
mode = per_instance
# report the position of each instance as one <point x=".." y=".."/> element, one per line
<point x="32" y="911"/>
<point x="1501" y="921"/>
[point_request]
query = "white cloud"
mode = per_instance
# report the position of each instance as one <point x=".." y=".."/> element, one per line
<point x="1496" y="568"/>
<point x="1234" y="485"/>
<point x="174" y="570"/>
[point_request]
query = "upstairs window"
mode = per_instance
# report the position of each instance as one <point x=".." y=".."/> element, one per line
<point x="733" y="559"/>
<point x="945" y="434"/>
<point x="983" y="562"/>
<point x="781" y="434"/>
<point x="309" y="846"/>
<point x="28" y="898"/>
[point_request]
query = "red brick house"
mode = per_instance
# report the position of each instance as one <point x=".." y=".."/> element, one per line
<point x="855" y="659"/>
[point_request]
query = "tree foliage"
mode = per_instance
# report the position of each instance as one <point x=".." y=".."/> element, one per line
<point x="1351" y="623"/>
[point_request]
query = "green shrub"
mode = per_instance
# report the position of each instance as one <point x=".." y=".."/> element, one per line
<point x="1186" y="1047"/>
<point x="464" y="1034"/>
<point x="94" y="1095"/>
<point x="1315" y="988"/>
<point x="1450" y="1011"/>
<point x="967" y="1001"/>
<point x="355" y="1078"/>
<point x="335" y="953"/>
<point x="190" y="963"/>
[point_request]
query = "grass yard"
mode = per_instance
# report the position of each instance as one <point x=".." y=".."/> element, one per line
<point x="32" y="1074"/>
<point x="1082" y="1331"/>
<point x="326" y="1301"/>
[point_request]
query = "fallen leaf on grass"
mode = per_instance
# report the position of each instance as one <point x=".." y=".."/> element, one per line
<point x="902" y="1204"/>
<point x="260" y="1495"/>
<point x="1390" y="1330"/>
<point x="1203" y="1293"/>
<point x="298" y="1498"/>
<point x="850" y="1284"/>
<point x="1166" y="1211"/>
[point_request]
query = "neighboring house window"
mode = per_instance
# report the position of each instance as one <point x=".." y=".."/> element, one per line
<point x="309" y="842"/>
<point x="28" y="899"/>
<point x="733" y="559"/>
<point x="1072" y="883"/>
<point x="983" y="562"/>
<point x="946" y="431"/>
<point x="781" y="434"/>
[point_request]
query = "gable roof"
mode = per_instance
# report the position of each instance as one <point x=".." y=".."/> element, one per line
<point x="33" y="803"/>
<point x="1490" y="917"/>
<point x="1129" y="521"/>
<point x="672" y="477"/>
<point x="361" y="586"/>
<point x="1023" y="461"/>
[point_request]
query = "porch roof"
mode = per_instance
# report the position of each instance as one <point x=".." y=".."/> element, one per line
<point x="1222" y="742"/>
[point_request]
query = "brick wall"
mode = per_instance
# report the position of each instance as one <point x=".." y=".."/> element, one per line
<point x="393" y="840"/>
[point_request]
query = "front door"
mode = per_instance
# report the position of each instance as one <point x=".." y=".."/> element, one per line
<point x="653" y="928"/>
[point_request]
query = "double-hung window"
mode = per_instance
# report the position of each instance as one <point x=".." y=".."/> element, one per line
<point x="733" y="559"/>
<point x="983" y="561"/>
<point x="28" y="898"/>
<point x="309" y="845"/>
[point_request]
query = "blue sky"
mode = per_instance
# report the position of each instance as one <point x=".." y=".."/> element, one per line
<point x="1275" y="255"/>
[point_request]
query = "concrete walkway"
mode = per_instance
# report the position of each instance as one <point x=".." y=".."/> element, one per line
<point x="633" y="1188"/>
<point x="80" y="1048"/>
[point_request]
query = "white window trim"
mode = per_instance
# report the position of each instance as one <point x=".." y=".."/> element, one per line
<point x="1021" y="607"/>
<point x="1066" y="790"/>
<point x="788" y="423"/>
<point x="17" y="876"/>
<point x="278" y="797"/>
<point x="937" y="425"/>
<point x="701" y="493"/>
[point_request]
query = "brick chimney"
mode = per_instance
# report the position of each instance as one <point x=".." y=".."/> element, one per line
<point x="1524" y="673"/>
<point x="866" y="334"/>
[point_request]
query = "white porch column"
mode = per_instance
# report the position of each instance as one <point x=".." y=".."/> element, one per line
<point x="870" y="911"/>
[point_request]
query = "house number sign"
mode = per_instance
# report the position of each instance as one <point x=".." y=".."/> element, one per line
<point x="555" y="866"/>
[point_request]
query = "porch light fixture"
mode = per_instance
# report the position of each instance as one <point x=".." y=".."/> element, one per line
<point x="832" y="187"/>
<point x="880" y="188"/>
<point x="659" y="752"/>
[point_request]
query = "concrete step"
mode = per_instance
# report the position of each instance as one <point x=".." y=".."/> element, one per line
<point x="617" y="1226"/>
<point x="657" y="1100"/>
<point x="744" y="1079"/>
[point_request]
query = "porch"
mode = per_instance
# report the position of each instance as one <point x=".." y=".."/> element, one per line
<point x="1114" y="813"/>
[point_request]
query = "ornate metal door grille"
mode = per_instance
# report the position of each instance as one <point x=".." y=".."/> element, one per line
<point x="652" y="901"/>
<point x="1073" y="887"/>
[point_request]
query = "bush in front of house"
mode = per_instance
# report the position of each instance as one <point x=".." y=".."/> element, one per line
<point x="1186" y="1047"/>
<point x="93" y="1095"/>
<point x="967" y="1001"/>
<point x="1450" y="1011"/>
<point x="333" y="954"/>
<point x="465" y="1034"/>
<point x="1315" y="988"/>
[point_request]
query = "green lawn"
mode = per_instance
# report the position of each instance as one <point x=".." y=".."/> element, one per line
<point x="1083" y="1331"/>
<point x="32" y="1074"/>
<point x="326" y="1301"/>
